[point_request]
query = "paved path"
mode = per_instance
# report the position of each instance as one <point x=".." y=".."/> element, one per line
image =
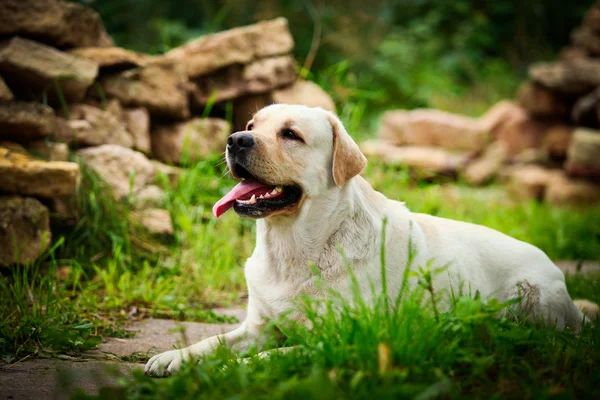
<point x="40" y="379"/>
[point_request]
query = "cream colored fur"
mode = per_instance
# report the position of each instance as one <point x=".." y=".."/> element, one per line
<point x="350" y="215"/>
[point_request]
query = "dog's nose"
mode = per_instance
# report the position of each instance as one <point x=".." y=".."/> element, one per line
<point x="240" y="141"/>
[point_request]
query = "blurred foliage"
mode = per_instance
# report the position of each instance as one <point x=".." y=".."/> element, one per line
<point x="399" y="53"/>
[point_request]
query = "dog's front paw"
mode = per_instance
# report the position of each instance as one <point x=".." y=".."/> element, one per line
<point x="164" y="364"/>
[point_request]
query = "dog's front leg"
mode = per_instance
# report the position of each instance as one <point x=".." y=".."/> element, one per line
<point x="170" y="361"/>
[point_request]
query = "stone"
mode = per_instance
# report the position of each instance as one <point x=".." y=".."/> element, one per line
<point x="522" y="132"/>
<point x="301" y="92"/>
<point x="425" y="159"/>
<point x="238" y="80"/>
<point x="59" y="379"/>
<point x="556" y="141"/>
<point x="242" y="45"/>
<point x="592" y="19"/>
<point x="582" y="267"/>
<point x="5" y="93"/>
<point x="33" y="69"/>
<point x="149" y="196"/>
<point x="160" y="86"/>
<point x="484" y="168"/>
<point x="583" y="155"/>
<point x="169" y="172"/>
<point x="58" y="23"/>
<point x="155" y="220"/>
<point x="572" y="53"/>
<point x="500" y="114"/>
<point x="120" y="168"/>
<point x="574" y="78"/>
<point x="91" y="126"/>
<point x="530" y="181"/>
<point x="154" y="335"/>
<point x="24" y="230"/>
<point x="564" y="190"/>
<point x="137" y="122"/>
<point x="587" y="39"/>
<point x="436" y="128"/>
<point x="110" y="59"/>
<point x="51" y="151"/>
<point x="24" y="175"/>
<point x="24" y="122"/>
<point x="584" y="110"/>
<point x="540" y="101"/>
<point x="200" y="137"/>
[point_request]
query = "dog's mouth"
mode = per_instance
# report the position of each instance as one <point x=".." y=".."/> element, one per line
<point x="255" y="199"/>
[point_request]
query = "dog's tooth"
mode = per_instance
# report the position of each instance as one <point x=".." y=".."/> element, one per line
<point x="252" y="199"/>
<point x="261" y="197"/>
<point x="274" y="191"/>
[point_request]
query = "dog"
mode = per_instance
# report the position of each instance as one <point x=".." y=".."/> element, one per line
<point x="299" y="170"/>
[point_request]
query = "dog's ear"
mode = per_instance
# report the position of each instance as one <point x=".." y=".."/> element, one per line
<point x="348" y="161"/>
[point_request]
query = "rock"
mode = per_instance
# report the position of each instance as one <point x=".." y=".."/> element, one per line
<point x="137" y="122"/>
<point x="556" y="141"/>
<point x="240" y="80"/>
<point x="159" y="86"/>
<point x="584" y="111"/>
<point x="236" y="46"/>
<point x="58" y="23"/>
<point x="16" y="147"/>
<point x="149" y="196"/>
<point x="110" y="59"/>
<point x="27" y="176"/>
<point x="569" y="191"/>
<point x="119" y="167"/>
<point x="23" y="122"/>
<point x="201" y="136"/>
<point x="24" y="230"/>
<point x="301" y="92"/>
<point x="583" y="155"/>
<point x="500" y="114"/>
<point x="433" y="128"/>
<point x="51" y="151"/>
<point x="570" y="54"/>
<point x="32" y="69"/>
<point x="5" y="93"/>
<point x="592" y="19"/>
<point x="169" y="172"/>
<point x="154" y="220"/>
<point x="530" y="181"/>
<point x="91" y="126"/>
<point x="540" y="101"/>
<point x="483" y="169"/>
<point x="587" y="39"/>
<point x="522" y="132"/>
<point x="426" y="159"/>
<point x="574" y="78"/>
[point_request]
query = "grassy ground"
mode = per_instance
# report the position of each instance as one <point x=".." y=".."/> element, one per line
<point x="106" y="271"/>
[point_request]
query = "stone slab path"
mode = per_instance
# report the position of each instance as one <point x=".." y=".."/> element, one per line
<point x="41" y="379"/>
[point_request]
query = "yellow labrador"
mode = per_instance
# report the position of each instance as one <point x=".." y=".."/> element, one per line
<point x="299" y="179"/>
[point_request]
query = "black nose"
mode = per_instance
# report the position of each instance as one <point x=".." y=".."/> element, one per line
<point x="240" y="141"/>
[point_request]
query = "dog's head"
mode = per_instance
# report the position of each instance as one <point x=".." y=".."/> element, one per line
<point x="287" y="153"/>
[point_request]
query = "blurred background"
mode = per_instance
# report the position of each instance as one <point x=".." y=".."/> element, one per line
<point x="462" y="55"/>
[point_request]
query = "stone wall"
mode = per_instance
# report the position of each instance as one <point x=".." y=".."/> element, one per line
<point x="68" y="96"/>
<point x="545" y="145"/>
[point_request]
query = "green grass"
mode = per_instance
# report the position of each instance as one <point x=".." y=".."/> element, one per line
<point x="361" y="351"/>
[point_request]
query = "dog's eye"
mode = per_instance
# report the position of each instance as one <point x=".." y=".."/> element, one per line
<point x="289" y="134"/>
<point x="249" y="126"/>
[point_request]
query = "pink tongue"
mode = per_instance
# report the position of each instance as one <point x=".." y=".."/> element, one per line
<point x="241" y="189"/>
